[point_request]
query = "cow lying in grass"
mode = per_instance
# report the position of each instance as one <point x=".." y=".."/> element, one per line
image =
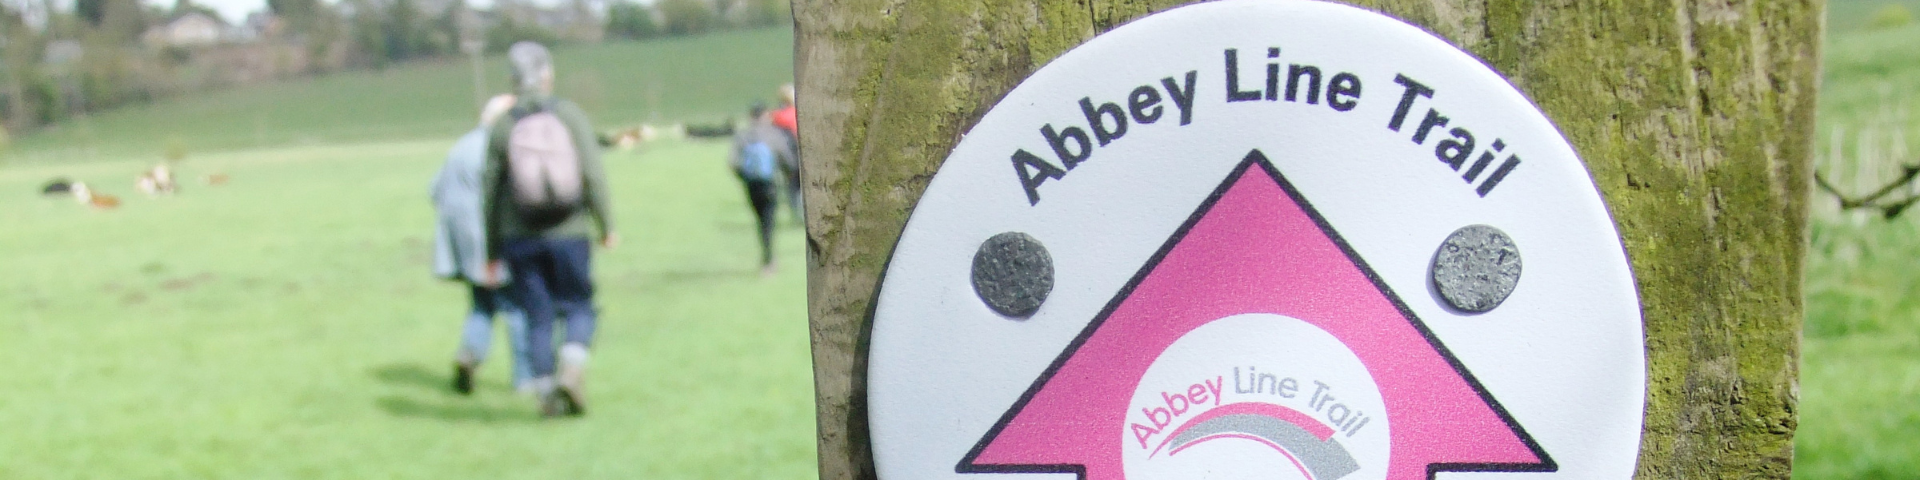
<point x="156" y="181"/>
<point x="86" y="196"/>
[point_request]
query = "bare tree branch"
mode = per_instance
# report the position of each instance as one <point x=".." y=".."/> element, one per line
<point x="1877" y="200"/>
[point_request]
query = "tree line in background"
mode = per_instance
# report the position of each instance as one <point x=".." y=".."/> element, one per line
<point x="57" y="63"/>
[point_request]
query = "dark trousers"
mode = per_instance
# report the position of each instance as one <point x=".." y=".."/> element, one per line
<point x="793" y="193"/>
<point x="761" y="194"/>
<point x="550" y="279"/>
<point x="485" y="300"/>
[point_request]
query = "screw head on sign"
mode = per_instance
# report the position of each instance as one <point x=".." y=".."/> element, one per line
<point x="1012" y="274"/>
<point x="1476" y="268"/>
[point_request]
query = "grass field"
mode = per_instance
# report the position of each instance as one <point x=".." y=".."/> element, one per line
<point x="1860" y="363"/>
<point x="1860" y="358"/>
<point x="285" y="325"/>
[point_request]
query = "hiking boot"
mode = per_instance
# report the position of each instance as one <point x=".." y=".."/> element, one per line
<point x="567" y="401"/>
<point x="552" y="404"/>
<point x="548" y="397"/>
<point x="572" y="381"/>
<point x="462" y="378"/>
<point x="561" y="401"/>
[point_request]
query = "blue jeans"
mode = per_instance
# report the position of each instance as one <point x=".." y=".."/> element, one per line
<point x="551" y="278"/>
<point x="477" y="337"/>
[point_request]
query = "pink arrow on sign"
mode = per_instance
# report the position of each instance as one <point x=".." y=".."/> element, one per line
<point x="1255" y="246"/>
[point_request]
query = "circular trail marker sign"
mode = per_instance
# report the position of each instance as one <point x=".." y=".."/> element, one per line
<point x="1250" y="239"/>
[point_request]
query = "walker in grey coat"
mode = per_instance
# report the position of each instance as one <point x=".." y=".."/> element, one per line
<point x="460" y="253"/>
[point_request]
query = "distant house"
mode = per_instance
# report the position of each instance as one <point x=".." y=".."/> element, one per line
<point x="581" y="20"/>
<point x="62" y="52"/>
<point x="191" y="29"/>
<point x="258" y="26"/>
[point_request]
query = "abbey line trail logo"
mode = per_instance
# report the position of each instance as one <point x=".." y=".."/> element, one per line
<point x="1255" y="326"/>
<point x="1249" y="239"/>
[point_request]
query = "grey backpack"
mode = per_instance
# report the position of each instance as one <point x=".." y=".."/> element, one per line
<point x="543" y="169"/>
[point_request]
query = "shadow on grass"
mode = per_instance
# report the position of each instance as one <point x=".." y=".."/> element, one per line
<point x="445" y="405"/>
<point x="412" y="375"/>
<point x="750" y="228"/>
<point x="416" y="376"/>
<point x="701" y="276"/>
<point x="456" y="410"/>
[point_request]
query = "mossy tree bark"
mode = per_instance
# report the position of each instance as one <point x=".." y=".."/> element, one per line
<point x="1694" y="116"/>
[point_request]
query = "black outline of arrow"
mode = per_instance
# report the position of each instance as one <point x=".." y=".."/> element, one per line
<point x="1255" y="157"/>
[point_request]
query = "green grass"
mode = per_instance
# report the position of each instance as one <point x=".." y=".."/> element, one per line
<point x="1849" y="16"/>
<point x="1860" y="354"/>
<point x="1869" y="74"/>
<point x="702" y="78"/>
<point x="1860" y="358"/>
<point x="285" y="325"/>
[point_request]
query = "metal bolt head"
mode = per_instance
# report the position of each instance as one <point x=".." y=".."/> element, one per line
<point x="1476" y="268"/>
<point x="1012" y="274"/>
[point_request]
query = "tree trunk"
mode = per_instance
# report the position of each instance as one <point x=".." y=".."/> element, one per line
<point x="1694" y="116"/>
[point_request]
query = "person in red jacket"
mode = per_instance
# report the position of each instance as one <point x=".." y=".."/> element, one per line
<point x="788" y="119"/>
<point x="785" y="116"/>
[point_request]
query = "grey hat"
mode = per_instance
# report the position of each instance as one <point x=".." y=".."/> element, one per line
<point x="530" y="62"/>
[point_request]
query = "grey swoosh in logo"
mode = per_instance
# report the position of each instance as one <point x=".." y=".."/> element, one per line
<point x="1323" y="459"/>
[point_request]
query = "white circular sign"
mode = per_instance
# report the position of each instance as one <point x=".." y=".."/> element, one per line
<point x="1253" y="239"/>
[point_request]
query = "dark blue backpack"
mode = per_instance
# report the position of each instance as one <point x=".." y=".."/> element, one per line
<point x="757" y="162"/>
